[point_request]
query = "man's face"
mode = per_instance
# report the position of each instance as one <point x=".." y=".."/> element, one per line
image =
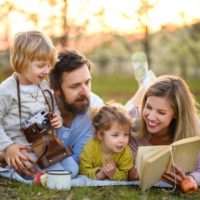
<point x="76" y="86"/>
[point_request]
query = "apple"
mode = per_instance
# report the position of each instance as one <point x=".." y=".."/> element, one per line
<point x="188" y="184"/>
<point x="38" y="177"/>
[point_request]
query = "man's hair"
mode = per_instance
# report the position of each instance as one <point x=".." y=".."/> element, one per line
<point x="68" y="61"/>
<point x="29" y="46"/>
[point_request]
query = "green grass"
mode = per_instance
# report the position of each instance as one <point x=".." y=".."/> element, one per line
<point x="115" y="88"/>
<point x="15" y="190"/>
<point x="122" y="88"/>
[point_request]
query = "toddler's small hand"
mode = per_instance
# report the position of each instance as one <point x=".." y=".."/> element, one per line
<point x="109" y="169"/>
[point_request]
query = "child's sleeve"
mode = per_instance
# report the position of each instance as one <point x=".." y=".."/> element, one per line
<point x="123" y="166"/>
<point x="87" y="161"/>
<point x="5" y="105"/>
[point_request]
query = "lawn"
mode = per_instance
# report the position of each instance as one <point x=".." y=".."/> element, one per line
<point x="119" y="89"/>
<point x="122" y="88"/>
<point x="18" y="191"/>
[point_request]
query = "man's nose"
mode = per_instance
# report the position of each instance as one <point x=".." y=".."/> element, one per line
<point x="85" y="90"/>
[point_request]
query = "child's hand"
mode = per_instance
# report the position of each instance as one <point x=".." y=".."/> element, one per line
<point x="109" y="169"/>
<point x="56" y="122"/>
<point x="15" y="157"/>
<point x="100" y="174"/>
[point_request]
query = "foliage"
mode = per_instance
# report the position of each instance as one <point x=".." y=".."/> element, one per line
<point x="173" y="51"/>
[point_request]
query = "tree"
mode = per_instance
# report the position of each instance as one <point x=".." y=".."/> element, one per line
<point x="143" y="19"/>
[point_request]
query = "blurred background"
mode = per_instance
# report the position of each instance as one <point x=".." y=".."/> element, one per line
<point x="109" y="32"/>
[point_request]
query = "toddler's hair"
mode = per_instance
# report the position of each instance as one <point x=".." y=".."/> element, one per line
<point x="103" y="117"/>
<point x="31" y="45"/>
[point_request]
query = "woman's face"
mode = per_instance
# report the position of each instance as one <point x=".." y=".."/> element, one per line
<point x="158" y="114"/>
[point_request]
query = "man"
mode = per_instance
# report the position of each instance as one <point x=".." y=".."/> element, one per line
<point x="71" y="81"/>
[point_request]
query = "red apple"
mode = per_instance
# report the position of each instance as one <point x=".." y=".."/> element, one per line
<point x="37" y="178"/>
<point x="188" y="185"/>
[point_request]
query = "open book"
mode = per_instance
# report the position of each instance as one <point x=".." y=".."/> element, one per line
<point x="153" y="161"/>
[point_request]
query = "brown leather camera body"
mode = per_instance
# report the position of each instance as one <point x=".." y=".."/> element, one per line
<point x="33" y="133"/>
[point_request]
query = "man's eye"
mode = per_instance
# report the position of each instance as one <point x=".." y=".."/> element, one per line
<point x="88" y="82"/>
<point x="75" y="86"/>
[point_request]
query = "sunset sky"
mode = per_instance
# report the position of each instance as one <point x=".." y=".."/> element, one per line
<point x="119" y="14"/>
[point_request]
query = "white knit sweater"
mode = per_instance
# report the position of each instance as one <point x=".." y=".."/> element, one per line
<point x="9" y="111"/>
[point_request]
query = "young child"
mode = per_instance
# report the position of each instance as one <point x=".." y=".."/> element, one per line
<point x="32" y="57"/>
<point x="107" y="155"/>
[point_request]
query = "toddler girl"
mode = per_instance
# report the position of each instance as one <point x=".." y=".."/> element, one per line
<point x="107" y="155"/>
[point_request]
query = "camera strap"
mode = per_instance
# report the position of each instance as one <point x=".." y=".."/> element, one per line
<point x="51" y="109"/>
<point x="19" y="101"/>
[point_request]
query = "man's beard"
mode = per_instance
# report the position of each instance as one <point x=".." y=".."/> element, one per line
<point x="77" y="109"/>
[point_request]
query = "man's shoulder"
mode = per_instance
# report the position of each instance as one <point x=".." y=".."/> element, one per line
<point x="95" y="100"/>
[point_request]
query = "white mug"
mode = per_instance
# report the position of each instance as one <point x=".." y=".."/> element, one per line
<point x="58" y="179"/>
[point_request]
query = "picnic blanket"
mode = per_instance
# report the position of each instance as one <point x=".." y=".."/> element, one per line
<point x="80" y="181"/>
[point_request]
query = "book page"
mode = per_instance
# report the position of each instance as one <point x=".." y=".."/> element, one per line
<point x="186" y="140"/>
<point x="185" y="153"/>
<point x="145" y="152"/>
<point x="154" y="167"/>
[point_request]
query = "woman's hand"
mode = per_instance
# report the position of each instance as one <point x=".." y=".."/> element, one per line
<point x="56" y="122"/>
<point x="133" y="174"/>
<point x="174" y="176"/>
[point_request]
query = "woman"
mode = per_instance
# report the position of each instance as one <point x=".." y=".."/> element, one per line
<point x="168" y="114"/>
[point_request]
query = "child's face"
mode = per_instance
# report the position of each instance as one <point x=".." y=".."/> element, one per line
<point x="36" y="72"/>
<point x="115" y="139"/>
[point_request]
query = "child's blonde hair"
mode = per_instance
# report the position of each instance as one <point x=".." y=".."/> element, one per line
<point x="103" y="117"/>
<point x="31" y="45"/>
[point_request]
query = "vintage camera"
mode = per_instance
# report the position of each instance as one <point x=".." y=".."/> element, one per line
<point x="37" y="125"/>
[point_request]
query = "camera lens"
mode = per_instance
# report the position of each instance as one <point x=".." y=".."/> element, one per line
<point x="46" y="124"/>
